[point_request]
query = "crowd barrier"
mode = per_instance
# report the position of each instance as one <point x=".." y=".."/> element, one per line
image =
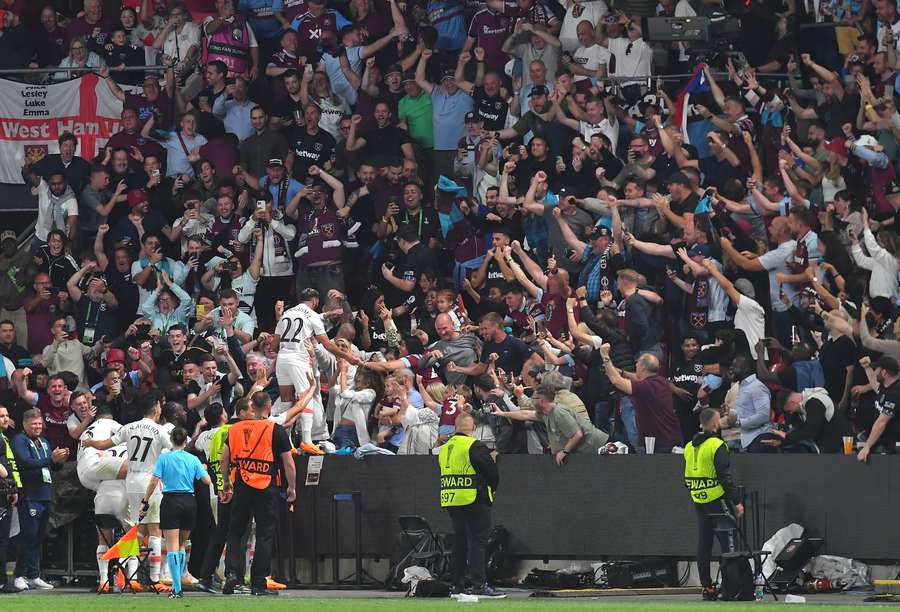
<point x="608" y="507"/>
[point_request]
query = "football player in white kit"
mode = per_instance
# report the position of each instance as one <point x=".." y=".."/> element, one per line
<point x="296" y="329"/>
<point x="103" y="471"/>
<point x="146" y="440"/>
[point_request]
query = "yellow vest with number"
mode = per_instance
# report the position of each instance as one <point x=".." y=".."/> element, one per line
<point x="12" y="463"/>
<point x="459" y="482"/>
<point x="700" y="471"/>
<point x="216" y="446"/>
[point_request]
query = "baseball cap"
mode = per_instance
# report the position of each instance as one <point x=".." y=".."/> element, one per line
<point x="702" y="250"/>
<point x="539" y="90"/>
<point x="473" y="118"/>
<point x="392" y="69"/>
<point x="115" y="355"/>
<point x="600" y="231"/>
<point x="136" y="197"/>
<point x="275" y="162"/>
<point x="7" y="235"/>
<point x="408" y="76"/>
<point x="448" y="74"/>
<point x="745" y="287"/>
<point x="886" y="362"/>
<point x="566" y="192"/>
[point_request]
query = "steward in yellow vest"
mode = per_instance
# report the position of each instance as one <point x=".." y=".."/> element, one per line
<point x="469" y="478"/>
<point x="712" y="489"/>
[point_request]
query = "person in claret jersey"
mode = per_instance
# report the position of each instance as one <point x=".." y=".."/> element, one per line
<point x="93" y="25"/>
<point x="316" y="24"/>
<point x="49" y="40"/>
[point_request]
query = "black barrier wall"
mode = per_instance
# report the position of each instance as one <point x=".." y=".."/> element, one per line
<point x="616" y="507"/>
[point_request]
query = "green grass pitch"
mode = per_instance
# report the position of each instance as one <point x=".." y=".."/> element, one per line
<point x="197" y="603"/>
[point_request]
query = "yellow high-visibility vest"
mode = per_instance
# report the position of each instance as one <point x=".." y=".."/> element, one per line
<point x="700" y="471"/>
<point x="458" y="477"/>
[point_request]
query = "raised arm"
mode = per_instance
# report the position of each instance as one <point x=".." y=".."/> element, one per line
<point x="421" y="80"/>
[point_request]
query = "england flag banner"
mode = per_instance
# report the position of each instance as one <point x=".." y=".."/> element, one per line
<point x="32" y="117"/>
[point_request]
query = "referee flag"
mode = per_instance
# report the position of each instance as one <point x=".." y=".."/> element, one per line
<point x="127" y="546"/>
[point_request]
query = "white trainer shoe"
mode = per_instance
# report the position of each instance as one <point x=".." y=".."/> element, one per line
<point x="20" y="583"/>
<point x="40" y="584"/>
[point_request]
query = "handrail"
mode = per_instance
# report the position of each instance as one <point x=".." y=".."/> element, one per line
<point x="79" y="69"/>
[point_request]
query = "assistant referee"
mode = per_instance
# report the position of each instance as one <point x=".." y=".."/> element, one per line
<point x="177" y="470"/>
<point x="469" y="477"/>
<point x="707" y="477"/>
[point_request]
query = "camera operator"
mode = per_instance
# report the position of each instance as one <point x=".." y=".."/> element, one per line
<point x="277" y="265"/>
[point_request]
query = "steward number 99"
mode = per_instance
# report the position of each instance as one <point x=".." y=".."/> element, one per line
<point x="447" y="496"/>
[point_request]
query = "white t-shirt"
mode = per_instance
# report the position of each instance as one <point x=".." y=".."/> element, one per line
<point x="296" y="326"/>
<point x="53" y="214"/>
<point x="633" y="58"/>
<point x="750" y="318"/>
<point x="610" y="130"/>
<point x="100" y="429"/>
<point x="576" y="12"/>
<point x="590" y="58"/>
<point x="177" y="44"/>
<point x="146" y="441"/>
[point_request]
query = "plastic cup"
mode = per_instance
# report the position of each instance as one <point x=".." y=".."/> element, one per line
<point x="848" y="445"/>
<point x="649" y="444"/>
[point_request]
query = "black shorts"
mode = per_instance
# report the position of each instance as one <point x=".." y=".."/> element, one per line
<point x="178" y="511"/>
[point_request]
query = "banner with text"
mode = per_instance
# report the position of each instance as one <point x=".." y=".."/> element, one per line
<point x="32" y="117"/>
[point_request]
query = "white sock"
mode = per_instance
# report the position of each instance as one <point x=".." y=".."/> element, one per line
<point x="102" y="564"/>
<point x="306" y="423"/>
<point x="153" y="566"/>
<point x="131" y="567"/>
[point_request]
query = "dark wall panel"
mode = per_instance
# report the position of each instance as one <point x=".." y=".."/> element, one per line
<point x="620" y="506"/>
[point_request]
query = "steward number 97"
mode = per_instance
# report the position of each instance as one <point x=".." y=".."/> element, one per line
<point x="447" y="496"/>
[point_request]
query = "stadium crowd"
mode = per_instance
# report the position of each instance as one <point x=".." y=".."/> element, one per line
<point x="386" y="213"/>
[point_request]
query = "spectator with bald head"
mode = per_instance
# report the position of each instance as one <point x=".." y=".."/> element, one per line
<point x="652" y="398"/>
<point x="453" y="352"/>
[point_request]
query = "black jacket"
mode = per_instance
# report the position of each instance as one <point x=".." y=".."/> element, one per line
<point x="486" y="468"/>
<point x="722" y="462"/>
<point x="826" y="434"/>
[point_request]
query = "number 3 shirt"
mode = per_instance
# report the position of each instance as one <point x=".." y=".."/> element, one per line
<point x="146" y="441"/>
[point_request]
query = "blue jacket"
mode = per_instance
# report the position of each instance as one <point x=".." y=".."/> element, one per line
<point x="33" y="458"/>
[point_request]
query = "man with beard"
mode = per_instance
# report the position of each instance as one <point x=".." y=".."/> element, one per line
<point x="76" y="170"/>
<point x="385" y="141"/>
<point x="57" y="206"/>
<point x="282" y="61"/>
<point x="320" y="245"/>
<point x="450" y="105"/>
<point x="118" y="276"/>
<point x="276" y="180"/>
<point x="263" y="145"/>
<point x="685" y="382"/>
<point x="600" y="256"/>
<point x="180" y="350"/>
<point x="152" y="102"/>
<point x="130" y="139"/>
<point x="310" y="145"/>
<point x="490" y="103"/>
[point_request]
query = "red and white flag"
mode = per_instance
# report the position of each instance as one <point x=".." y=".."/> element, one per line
<point x="32" y="117"/>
